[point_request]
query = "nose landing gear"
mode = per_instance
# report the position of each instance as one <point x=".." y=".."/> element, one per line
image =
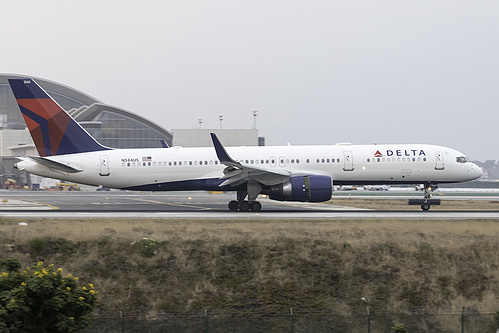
<point x="425" y="206"/>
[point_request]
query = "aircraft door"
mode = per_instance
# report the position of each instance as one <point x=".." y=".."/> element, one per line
<point x="104" y="166"/>
<point x="439" y="160"/>
<point x="347" y="161"/>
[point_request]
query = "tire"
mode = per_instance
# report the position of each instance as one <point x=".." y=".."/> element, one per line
<point x="256" y="206"/>
<point x="244" y="206"/>
<point x="233" y="205"/>
<point x="425" y="206"/>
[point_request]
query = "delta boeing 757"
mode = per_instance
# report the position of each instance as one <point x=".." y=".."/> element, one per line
<point x="290" y="173"/>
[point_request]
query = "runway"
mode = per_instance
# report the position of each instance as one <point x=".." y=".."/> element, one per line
<point x="201" y="205"/>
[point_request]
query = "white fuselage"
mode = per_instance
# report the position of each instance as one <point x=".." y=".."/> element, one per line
<point x="199" y="168"/>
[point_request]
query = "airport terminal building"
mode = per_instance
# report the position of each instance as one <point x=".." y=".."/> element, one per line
<point x="111" y="126"/>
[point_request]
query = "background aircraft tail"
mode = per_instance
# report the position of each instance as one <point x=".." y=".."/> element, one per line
<point x="52" y="129"/>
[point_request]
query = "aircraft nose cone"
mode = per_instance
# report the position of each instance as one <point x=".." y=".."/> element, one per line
<point x="477" y="171"/>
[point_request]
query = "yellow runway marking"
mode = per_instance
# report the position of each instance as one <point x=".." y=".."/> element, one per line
<point x="43" y="204"/>
<point x="168" y="203"/>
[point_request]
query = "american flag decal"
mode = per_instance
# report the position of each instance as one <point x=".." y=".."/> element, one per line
<point x="146" y="158"/>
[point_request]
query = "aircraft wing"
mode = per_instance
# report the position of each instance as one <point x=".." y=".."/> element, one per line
<point x="237" y="173"/>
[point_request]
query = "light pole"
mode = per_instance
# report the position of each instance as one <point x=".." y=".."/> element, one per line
<point x="221" y="118"/>
<point x="255" y="112"/>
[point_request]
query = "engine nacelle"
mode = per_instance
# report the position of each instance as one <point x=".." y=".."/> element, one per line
<point x="311" y="188"/>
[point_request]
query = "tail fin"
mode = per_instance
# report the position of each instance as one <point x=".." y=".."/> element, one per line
<point x="52" y="129"/>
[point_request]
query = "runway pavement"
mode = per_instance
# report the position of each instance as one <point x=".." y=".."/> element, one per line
<point x="201" y="205"/>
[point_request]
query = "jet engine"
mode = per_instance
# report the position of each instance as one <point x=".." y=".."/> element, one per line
<point x="311" y="188"/>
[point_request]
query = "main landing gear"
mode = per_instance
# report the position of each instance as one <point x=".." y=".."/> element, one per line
<point x="245" y="206"/>
<point x="253" y="189"/>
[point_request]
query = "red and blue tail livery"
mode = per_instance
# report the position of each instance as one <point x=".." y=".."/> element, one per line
<point x="52" y="129"/>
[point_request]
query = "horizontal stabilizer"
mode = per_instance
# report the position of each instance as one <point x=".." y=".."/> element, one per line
<point x="58" y="166"/>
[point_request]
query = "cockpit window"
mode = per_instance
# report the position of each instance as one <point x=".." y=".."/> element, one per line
<point x="462" y="159"/>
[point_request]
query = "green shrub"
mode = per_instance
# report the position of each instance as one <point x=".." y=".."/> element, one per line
<point x="147" y="247"/>
<point x="399" y="329"/>
<point x="40" y="299"/>
<point x="38" y="245"/>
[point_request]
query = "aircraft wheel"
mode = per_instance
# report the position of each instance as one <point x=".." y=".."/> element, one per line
<point x="256" y="206"/>
<point x="425" y="206"/>
<point x="244" y="206"/>
<point x="233" y="205"/>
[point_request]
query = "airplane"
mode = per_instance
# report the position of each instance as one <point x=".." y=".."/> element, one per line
<point x="285" y="173"/>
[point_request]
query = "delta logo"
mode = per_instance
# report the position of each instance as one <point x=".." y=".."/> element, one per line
<point x="401" y="153"/>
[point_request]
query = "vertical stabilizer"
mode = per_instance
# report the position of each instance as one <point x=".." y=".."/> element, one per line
<point x="53" y="130"/>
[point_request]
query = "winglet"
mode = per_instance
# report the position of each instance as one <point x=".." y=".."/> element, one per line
<point x="222" y="154"/>
<point x="164" y="144"/>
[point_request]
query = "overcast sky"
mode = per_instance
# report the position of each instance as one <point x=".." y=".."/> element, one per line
<point x="318" y="72"/>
